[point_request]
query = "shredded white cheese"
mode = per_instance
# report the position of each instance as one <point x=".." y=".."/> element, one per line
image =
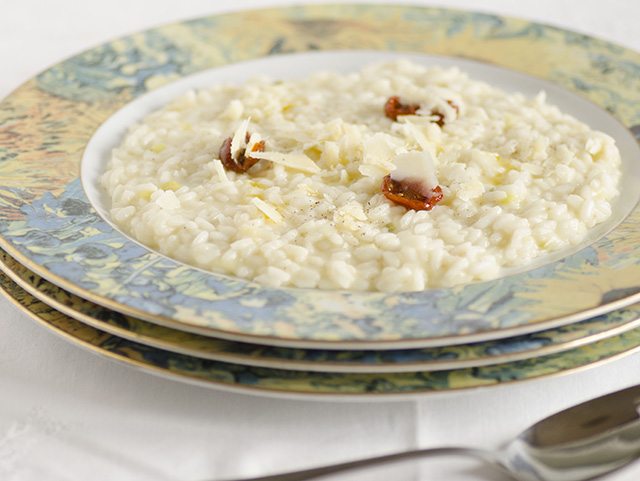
<point x="292" y="160"/>
<point x="267" y="209"/>
<point x="238" y="142"/>
<point x="415" y="167"/>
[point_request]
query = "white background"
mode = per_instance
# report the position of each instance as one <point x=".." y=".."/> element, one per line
<point x="67" y="414"/>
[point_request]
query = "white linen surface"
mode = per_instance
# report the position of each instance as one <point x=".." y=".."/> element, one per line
<point x="67" y="414"/>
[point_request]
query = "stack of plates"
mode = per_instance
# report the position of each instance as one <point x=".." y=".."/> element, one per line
<point x="66" y="265"/>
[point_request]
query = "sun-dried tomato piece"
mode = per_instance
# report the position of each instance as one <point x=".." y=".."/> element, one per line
<point x="440" y="115"/>
<point x="243" y="162"/>
<point x="394" y="108"/>
<point x="407" y="195"/>
<point x="439" y="118"/>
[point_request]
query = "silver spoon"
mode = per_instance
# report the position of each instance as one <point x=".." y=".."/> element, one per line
<point x="581" y="443"/>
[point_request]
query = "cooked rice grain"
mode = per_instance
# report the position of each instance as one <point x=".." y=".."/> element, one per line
<point x="520" y="179"/>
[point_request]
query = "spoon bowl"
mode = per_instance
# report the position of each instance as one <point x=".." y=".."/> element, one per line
<point x="581" y="443"/>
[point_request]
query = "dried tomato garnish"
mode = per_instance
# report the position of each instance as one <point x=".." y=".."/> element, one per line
<point x="404" y="194"/>
<point x="243" y="162"/>
<point x="393" y="108"/>
<point x="440" y="116"/>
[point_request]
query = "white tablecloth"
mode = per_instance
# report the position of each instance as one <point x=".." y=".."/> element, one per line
<point x="67" y="414"/>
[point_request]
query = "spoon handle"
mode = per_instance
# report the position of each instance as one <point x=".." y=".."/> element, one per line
<point x="313" y="473"/>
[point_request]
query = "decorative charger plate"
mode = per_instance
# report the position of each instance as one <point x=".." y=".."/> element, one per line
<point x="52" y="218"/>
<point x="323" y="360"/>
<point x="280" y="382"/>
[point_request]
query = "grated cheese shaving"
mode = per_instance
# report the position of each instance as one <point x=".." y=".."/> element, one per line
<point x="267" y="209"/>
<point x="238" y="142"/>
<point x="219" y="169"/>
<point x="415" y="166"/>
<point x="294" y="161"/>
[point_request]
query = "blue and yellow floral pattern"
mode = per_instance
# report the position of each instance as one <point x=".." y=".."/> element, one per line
<point x="305" y="384"/>
<point x="322" y="360"/>
<point x="47" y="223"/>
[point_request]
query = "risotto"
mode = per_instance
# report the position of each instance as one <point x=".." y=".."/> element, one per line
<point x="396" y="178"/>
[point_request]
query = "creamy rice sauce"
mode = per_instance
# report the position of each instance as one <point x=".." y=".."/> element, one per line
<point x="519" y="179"/>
